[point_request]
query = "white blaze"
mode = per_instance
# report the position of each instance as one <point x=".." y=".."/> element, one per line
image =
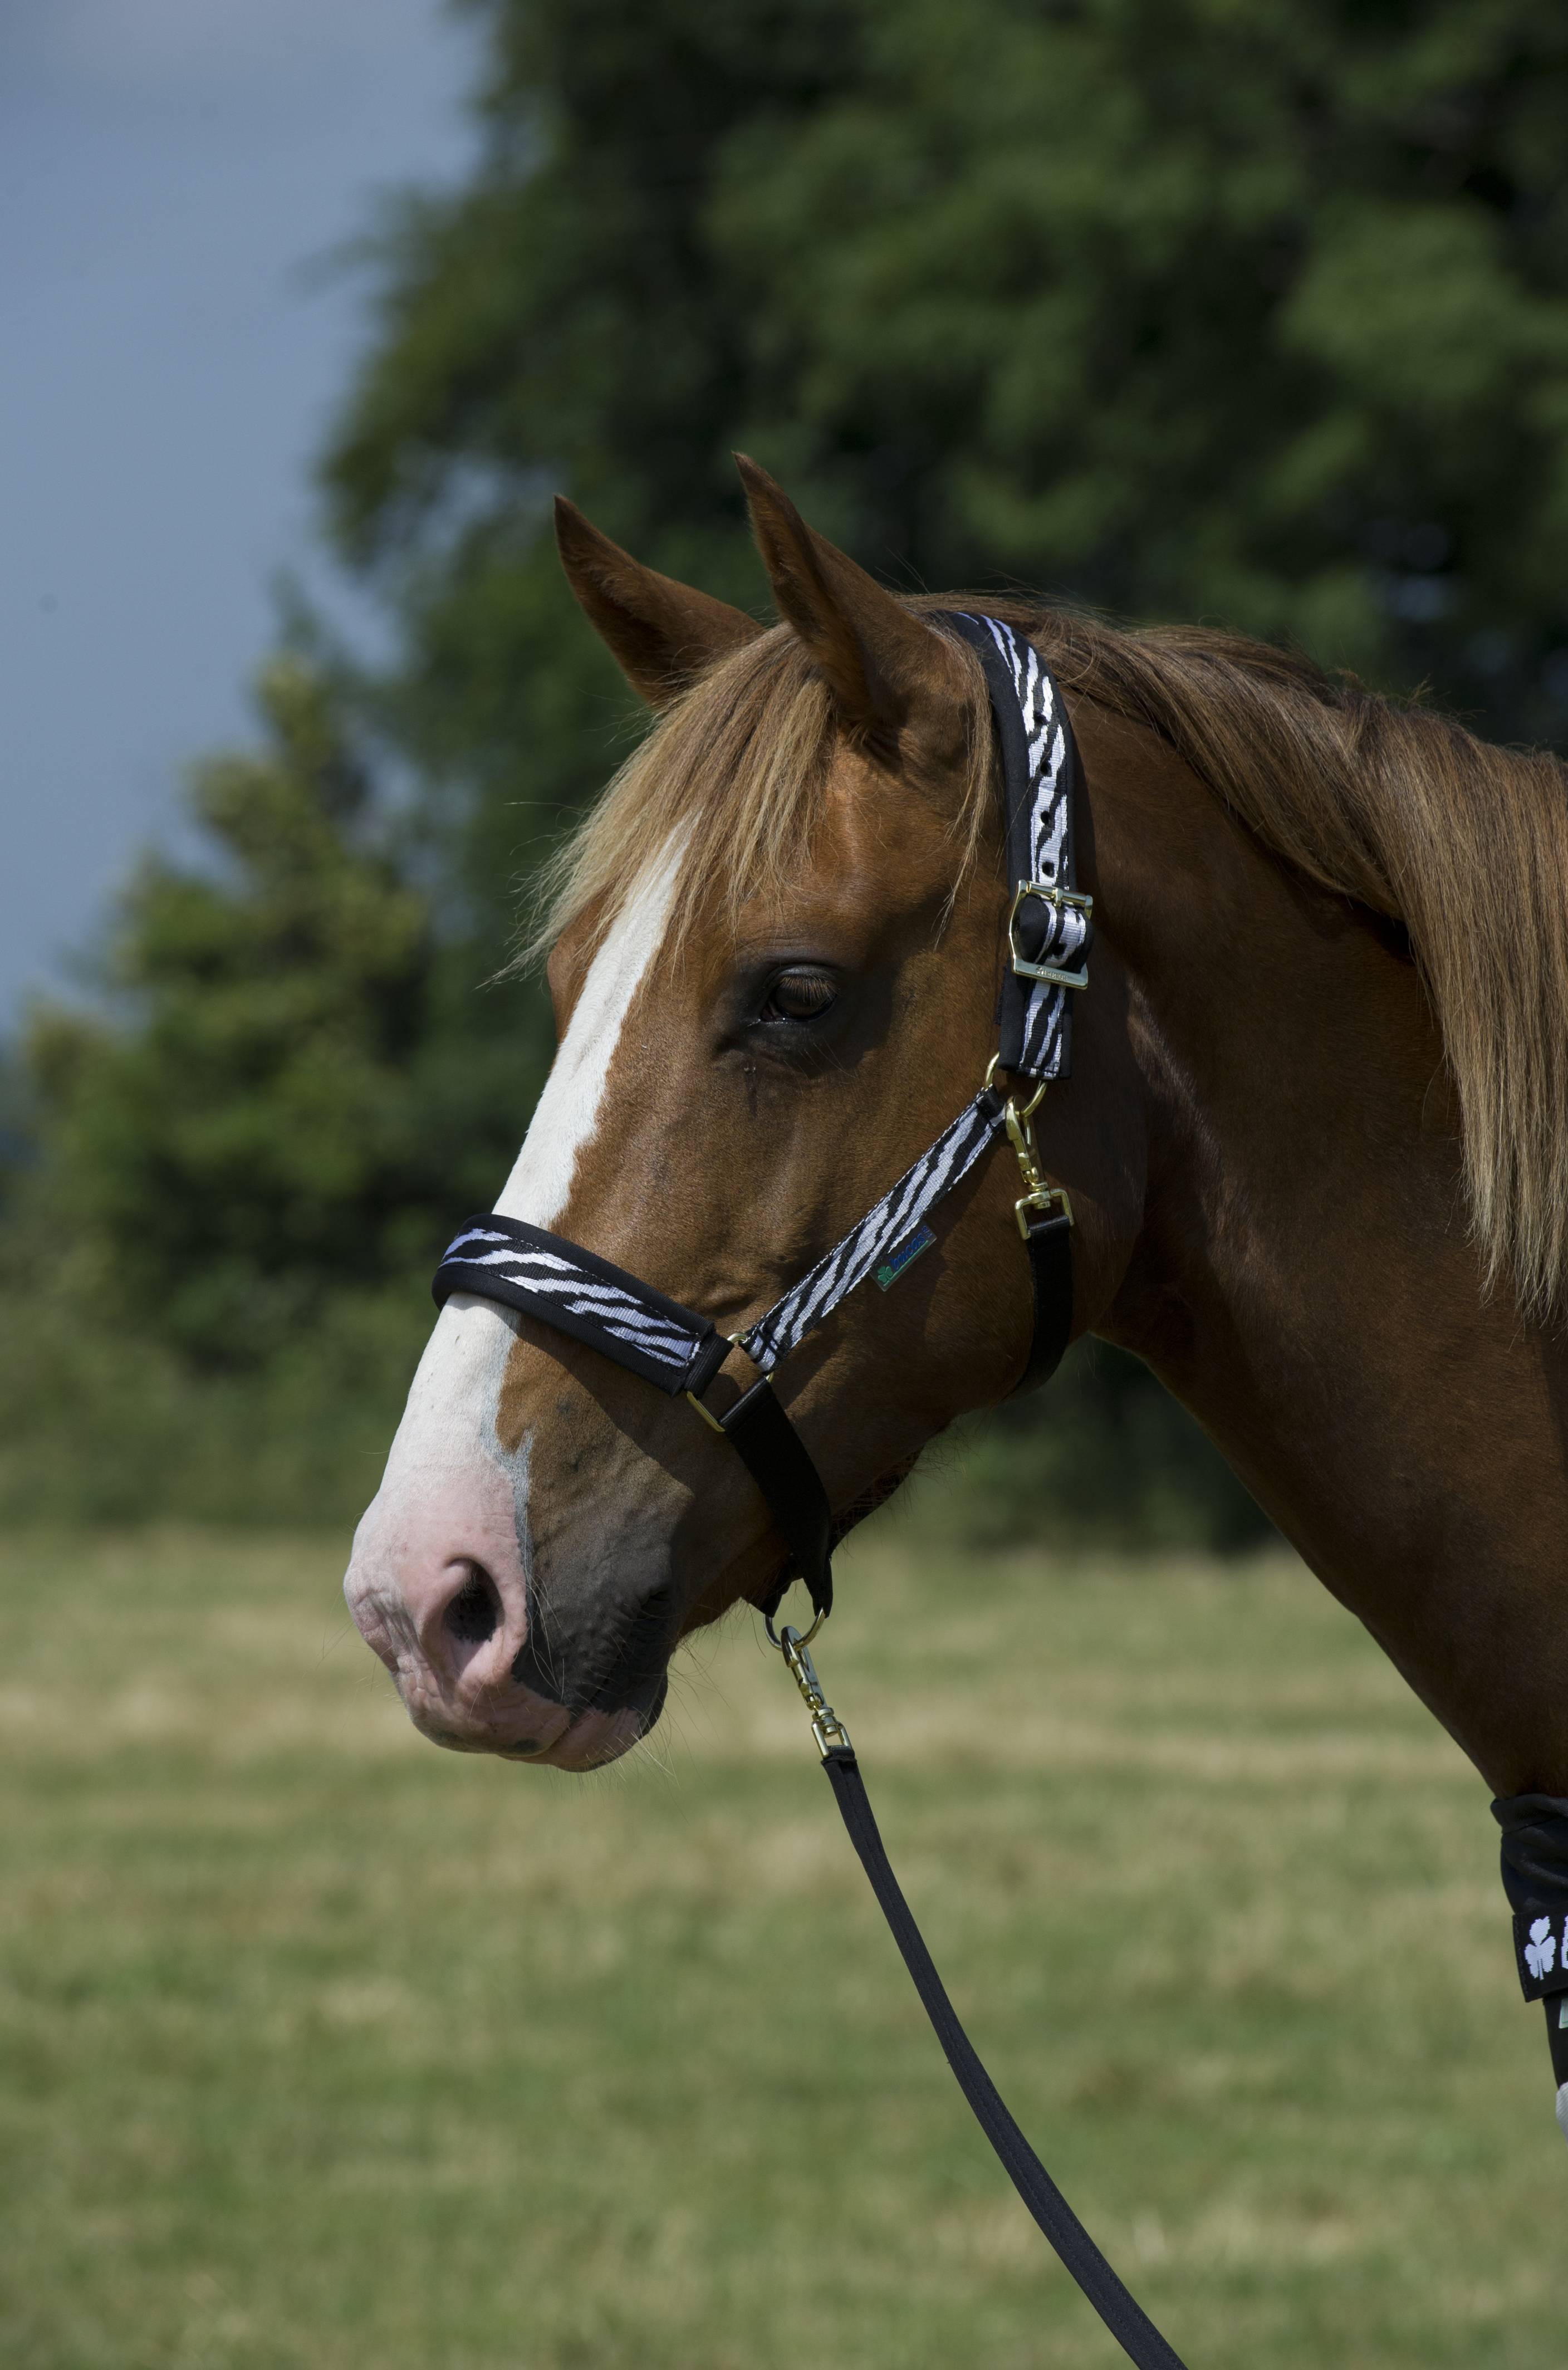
<point x="445" y="1457"/>
<point x="567" y="1114"/>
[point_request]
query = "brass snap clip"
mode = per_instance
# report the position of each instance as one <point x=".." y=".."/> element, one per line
<point x="826" y="1727"/>
<point x="1037" y="1195"/>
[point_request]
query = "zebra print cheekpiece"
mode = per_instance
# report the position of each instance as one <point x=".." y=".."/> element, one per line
<point x="1049" y="928"/>
<point x="881" y="1234"/>
<point x="580" y="1294"/>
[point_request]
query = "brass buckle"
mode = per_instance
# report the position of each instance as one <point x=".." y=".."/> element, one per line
<point x="1061" y="899"/>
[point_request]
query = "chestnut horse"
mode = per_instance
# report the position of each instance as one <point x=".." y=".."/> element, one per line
<point x="1316" y="1140"/>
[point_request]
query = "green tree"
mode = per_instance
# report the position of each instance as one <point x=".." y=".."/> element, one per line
<point x="240" y="1132"/>
<point x="1250" y="312"/>
<point x="561" y="321"/>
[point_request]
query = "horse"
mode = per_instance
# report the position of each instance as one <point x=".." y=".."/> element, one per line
<point x="1315" y="1141"/>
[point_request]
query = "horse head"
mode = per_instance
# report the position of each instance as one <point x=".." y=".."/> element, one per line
<point x="778" y="945"/>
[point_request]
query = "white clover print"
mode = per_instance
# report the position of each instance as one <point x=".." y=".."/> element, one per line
<point x="1540" y="1950"/>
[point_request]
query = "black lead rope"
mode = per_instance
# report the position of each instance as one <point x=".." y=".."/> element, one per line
<point x="1117" y="2307"/>
<point x="1121" y="2312"/>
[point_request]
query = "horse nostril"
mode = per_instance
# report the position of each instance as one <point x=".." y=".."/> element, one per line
<point x="474" y="1614"/>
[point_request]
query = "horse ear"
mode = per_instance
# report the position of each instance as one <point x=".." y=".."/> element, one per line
<point x="660" y="634"/>
<point x="880" y="660"/>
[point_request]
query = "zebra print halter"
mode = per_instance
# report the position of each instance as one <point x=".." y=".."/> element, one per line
<point x="1049" y="931"/>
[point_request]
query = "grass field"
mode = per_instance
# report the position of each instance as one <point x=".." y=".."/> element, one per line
<point x="321" y="2048"/>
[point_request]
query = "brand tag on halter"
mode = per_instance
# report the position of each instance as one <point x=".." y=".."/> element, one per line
<point x="897" y="1261"/>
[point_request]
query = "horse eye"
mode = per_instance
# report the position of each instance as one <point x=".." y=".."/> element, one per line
<point x="799" y="995"/>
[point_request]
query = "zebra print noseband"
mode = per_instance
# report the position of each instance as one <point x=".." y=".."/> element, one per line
<point x="615" y="1313"/>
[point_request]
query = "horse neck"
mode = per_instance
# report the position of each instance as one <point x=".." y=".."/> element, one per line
<point x="1305" y="1280"/>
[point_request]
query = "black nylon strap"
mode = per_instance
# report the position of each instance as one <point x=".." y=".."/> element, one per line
<point x="777" y="1458"/>
<point x="1050" y="1245"/>
<point x="1122" y="2316"/>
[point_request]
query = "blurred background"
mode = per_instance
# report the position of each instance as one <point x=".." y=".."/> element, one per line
<point x="319" y="2048"/>
<point x="1252" y="314"/>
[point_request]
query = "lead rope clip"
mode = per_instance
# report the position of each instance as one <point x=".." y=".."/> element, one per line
<point x="829" y="1731"/>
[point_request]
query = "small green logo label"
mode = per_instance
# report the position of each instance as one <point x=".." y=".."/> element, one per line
<point x="907" y="1253"/>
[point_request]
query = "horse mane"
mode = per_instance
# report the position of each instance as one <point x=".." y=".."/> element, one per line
<point x="1385" y="802"/>
<point x="1400" y="809"/>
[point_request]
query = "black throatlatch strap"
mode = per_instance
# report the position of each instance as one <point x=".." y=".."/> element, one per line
<point x="1122" y="2314"/>
<point x="1535" y="1877"/>
<point x="779" y="1462"/>
<point x="1050" y="1245"/>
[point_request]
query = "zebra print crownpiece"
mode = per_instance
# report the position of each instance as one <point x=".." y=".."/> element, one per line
<point x="1039" y="767"/>
<point x="894" y="1218"/>
<point x="580" y="1294"/>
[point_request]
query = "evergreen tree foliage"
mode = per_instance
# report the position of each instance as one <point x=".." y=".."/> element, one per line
<point x="241" y="1133"/>
<point x="1252" y="313"/>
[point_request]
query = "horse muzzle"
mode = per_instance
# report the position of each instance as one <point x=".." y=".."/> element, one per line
<point x="490" y="1658"/>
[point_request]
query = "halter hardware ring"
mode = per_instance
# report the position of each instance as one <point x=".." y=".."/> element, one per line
<point x="799" y="1638"/>
<point x="735" y="1342"/>
<point x="1035" y="1099"/>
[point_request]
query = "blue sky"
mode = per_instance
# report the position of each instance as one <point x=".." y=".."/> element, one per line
<point x="169" y="171"/>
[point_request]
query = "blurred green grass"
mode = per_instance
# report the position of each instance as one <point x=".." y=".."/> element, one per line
<point x="321" y="2048"/>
